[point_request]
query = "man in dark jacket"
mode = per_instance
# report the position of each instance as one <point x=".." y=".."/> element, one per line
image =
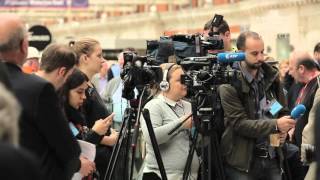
<point x="251" y="120"/>
<point x="4" y="78"/>
<point x="43" y="129"/>
<point x="305" y="71"/>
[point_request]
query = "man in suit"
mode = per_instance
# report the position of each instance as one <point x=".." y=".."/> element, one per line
<point x="13" y="160"/>
<point x="4" y="78"/>
<point x="43" y="128"/>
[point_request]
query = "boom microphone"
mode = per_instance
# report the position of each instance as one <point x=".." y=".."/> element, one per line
<point x="298" y="111"/>
<point x="231" y="57"/>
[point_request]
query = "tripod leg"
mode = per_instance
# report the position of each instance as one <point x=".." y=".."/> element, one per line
<point x="154" y="143"/>
<point x="218" y="164"/>
<point x="134" y="146"/>
<point x="127" y="152"/>
<point x="117" y="147"/>
<point x="210" y="167"/>
<point x="186" y="171"/>
<point x="204" y="154"/>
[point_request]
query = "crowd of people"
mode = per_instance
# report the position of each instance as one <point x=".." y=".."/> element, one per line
<point x="68" y="93"/>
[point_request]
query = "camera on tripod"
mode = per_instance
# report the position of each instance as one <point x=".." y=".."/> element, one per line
<point x="138" y="71"/>
<point x="205" y="69"/>
<point x="204" y="72"/>
<point x="144" y="70"/>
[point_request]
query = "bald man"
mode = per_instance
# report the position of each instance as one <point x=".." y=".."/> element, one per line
<point x="296" y="57"/>
<point x="43" y="129"/>
<point x="291" y="84"/>
<point x="304" y="69"/>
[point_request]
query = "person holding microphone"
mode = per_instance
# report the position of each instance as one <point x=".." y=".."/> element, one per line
<point x="254" y="123"/>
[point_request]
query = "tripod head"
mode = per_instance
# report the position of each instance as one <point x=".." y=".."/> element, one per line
<point x="205" y="109"/>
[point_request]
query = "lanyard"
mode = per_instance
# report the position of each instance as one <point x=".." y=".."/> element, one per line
<point x="301" y="95"/>
<point x="302" y="91"/>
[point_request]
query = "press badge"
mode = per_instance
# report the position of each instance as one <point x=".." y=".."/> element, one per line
<point x="73" y="129"/>
<point x="275" y="107"/>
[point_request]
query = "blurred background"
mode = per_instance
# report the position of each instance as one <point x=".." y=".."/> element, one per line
<point x="284" y="24"/>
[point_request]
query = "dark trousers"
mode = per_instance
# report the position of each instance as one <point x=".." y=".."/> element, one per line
<point x="261" y="169"/>
<point x="150" y="176"/>
<point x="296" y="169"/>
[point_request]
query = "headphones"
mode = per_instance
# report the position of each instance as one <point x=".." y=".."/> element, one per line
<point x="164" y="84"/>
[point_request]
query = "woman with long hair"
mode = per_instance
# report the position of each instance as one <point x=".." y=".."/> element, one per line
<point x="90" y="59"/>
<point x="72" y="94"/>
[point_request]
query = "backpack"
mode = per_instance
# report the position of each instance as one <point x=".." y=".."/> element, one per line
<point x="237" y="84"/>
<point x="219" y="126"/>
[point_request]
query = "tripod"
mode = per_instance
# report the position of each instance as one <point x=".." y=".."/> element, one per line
<point x="132" y="116"/>
<point x="123" y="140"/>
<point x="205" y="109"/>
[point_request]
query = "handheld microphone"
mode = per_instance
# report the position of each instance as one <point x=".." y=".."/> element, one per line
<point x="231" y="57"/>
<point x="298" y="111"/>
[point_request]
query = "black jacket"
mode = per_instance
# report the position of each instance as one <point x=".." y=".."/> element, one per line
<point x="43" y="127"/>
<point x="4" y="78"/>
<point x="95" y="109"/>
<point x="307" y="101"/>
<point x="17" y="164"/>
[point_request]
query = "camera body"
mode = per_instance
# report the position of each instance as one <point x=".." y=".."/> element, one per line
<point x="206" y="71"/>
<point x="137" y="72"/>
<point x="191" y="51"/>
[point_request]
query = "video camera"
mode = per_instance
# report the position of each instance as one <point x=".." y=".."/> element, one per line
<point x="184" y="46"/>
<point x="212" y="70"/>
<point x="139" y="71"/>
<point x="190" y="51"/>
<point x="205" y="70"/>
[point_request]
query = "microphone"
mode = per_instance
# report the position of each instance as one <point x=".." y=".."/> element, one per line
<point x="298" y="111"/>
<point x="231" y="57"/>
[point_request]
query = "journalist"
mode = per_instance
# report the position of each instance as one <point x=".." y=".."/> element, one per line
<point x="43" y="128"/>
<point x="72" y="94"/>
<point x="90" y="59"/>
<point x="167" y="109"/>
<point x="253" y="132"/>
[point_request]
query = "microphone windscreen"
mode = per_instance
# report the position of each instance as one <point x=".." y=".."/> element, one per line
<point x="298" y="111"/>
<point x="231" y="57"/>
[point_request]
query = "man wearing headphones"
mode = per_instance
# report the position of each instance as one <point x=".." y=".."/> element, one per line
<point x="167" y="110"/>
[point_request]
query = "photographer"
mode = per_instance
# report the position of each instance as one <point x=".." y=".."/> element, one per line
<point x="167" y="110"/>
<point x="253" y="135"/>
